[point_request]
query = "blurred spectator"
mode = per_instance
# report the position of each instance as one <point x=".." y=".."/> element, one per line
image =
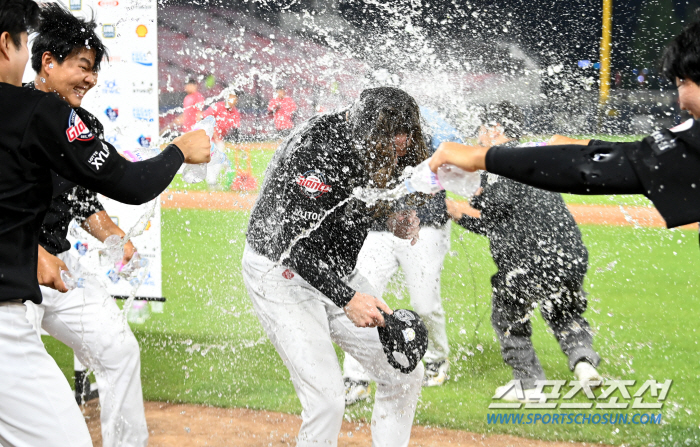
<point x="282" y="108"/>
<point x="192" y="108"/>
<point x="228" y="118"/>
<point x="228" y="121"/>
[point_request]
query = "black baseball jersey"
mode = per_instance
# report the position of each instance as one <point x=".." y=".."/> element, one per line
<point x="76" y="203"/>
<point x="527" y="227"/>
<point x="303" y="206"/>
<point x="38" y="133"/>
<point x="665" y="167"/>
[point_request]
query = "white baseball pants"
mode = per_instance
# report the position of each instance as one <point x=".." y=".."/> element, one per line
<point x="37" y="407"/>
<point x="90" y="322"/>
<point x="302" y="324"/>
<point x="380" y="258"/>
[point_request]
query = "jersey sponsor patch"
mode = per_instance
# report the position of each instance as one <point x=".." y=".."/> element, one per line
<point x="77" y="130"/>
<point x="287" y="274"/>
<point x="98" y="158"/>
<point x="662" y="141"/>
<point x="313" y="184"/>
<point x="306" y="215"/>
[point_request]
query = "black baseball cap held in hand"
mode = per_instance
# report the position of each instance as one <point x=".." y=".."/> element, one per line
<point x="404" y="338"/>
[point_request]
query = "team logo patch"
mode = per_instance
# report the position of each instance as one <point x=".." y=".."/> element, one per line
<point x="77" y="130"/>
<point x="409" y="335"/>
<point x="404" y="315"/>
<point x="313" y="184"/>
<point x="287" y="274"/>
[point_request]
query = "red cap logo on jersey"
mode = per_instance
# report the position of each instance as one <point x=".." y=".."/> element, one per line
<point x="77" y="130"/>
<point x="313" y="184"/>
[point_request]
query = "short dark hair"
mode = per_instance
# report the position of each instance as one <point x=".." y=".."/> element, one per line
<point x="17" y="17"/>
<point x="681" y="58"/>
<point x="508" y="115"/>
<point x="380" y="115"/>
<point x="191" y="81"/>
<point x="61" y="34"/>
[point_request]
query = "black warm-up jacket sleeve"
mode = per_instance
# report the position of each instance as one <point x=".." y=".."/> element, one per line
<point x="57" y="138"/>
<point x="601" y="168"/>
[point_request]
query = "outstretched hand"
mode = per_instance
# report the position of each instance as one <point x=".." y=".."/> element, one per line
<point x="469" y="158"/>
<point x="195" y="146"/>
<point x="363" y="310"/>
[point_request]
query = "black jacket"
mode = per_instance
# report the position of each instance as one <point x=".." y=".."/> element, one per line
<point x="313" y="174"/>
<point x="39" y="133"/>
<point x="527" y="227"/>
<point x="665" y="167"/>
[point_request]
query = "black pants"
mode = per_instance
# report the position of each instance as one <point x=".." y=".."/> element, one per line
<point x="562" y="302"/>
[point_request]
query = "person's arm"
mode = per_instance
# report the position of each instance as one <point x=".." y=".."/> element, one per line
<point x="57" y="138"/>
<point x="361" y="308"/>
<point x="48" y="271"/>
<point x="574" y="169"/>
<point x="101" y="226"/>
<point x="465" y="216"/>
<point x="595" y="169"/>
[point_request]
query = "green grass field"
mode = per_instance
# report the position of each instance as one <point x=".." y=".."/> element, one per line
<point x="209" y="348"/>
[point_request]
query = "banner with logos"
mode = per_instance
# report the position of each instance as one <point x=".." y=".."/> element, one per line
<point x="125" y="100"/>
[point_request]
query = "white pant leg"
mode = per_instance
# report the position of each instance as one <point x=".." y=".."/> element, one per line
<point x="295" y="320"/>
<point x="301" y="322"/>
<point x="377" y="263"/>
<point x="90" y="322"/>
<point x="397" y="393"/>
<point x="37" y="407"/>
<point x="422" y="266"/>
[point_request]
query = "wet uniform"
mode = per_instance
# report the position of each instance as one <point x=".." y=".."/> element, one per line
<point x="88" y="320"/>
<point x="303" y="211"/>
<point x="41" y="133"/>
<point x="540" y="256"/>
<point x="382" y="254"/>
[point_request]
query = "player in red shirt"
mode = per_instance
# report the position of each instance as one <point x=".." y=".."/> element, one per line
<point x="228" y="118"/>
<point x="192" y="105"/>
<point x="282" y="107"/>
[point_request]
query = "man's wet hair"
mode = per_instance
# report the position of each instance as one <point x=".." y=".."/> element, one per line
<point x="681" y="58"/>
<point x="381" y="114"/>
<point x="508" y="115"/>
<point x="63" y="34"/>
<point x="17" y="17"/>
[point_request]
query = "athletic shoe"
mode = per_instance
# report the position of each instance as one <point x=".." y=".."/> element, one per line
<point x="436" y="373"/>
<point x="588" y="375"/>
<point x="356" y="391"/>
<point x="530" y="395"/>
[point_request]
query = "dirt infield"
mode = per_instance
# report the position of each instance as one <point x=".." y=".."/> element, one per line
<point x="584" y="214"/>
<point x="173" y="425"/>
